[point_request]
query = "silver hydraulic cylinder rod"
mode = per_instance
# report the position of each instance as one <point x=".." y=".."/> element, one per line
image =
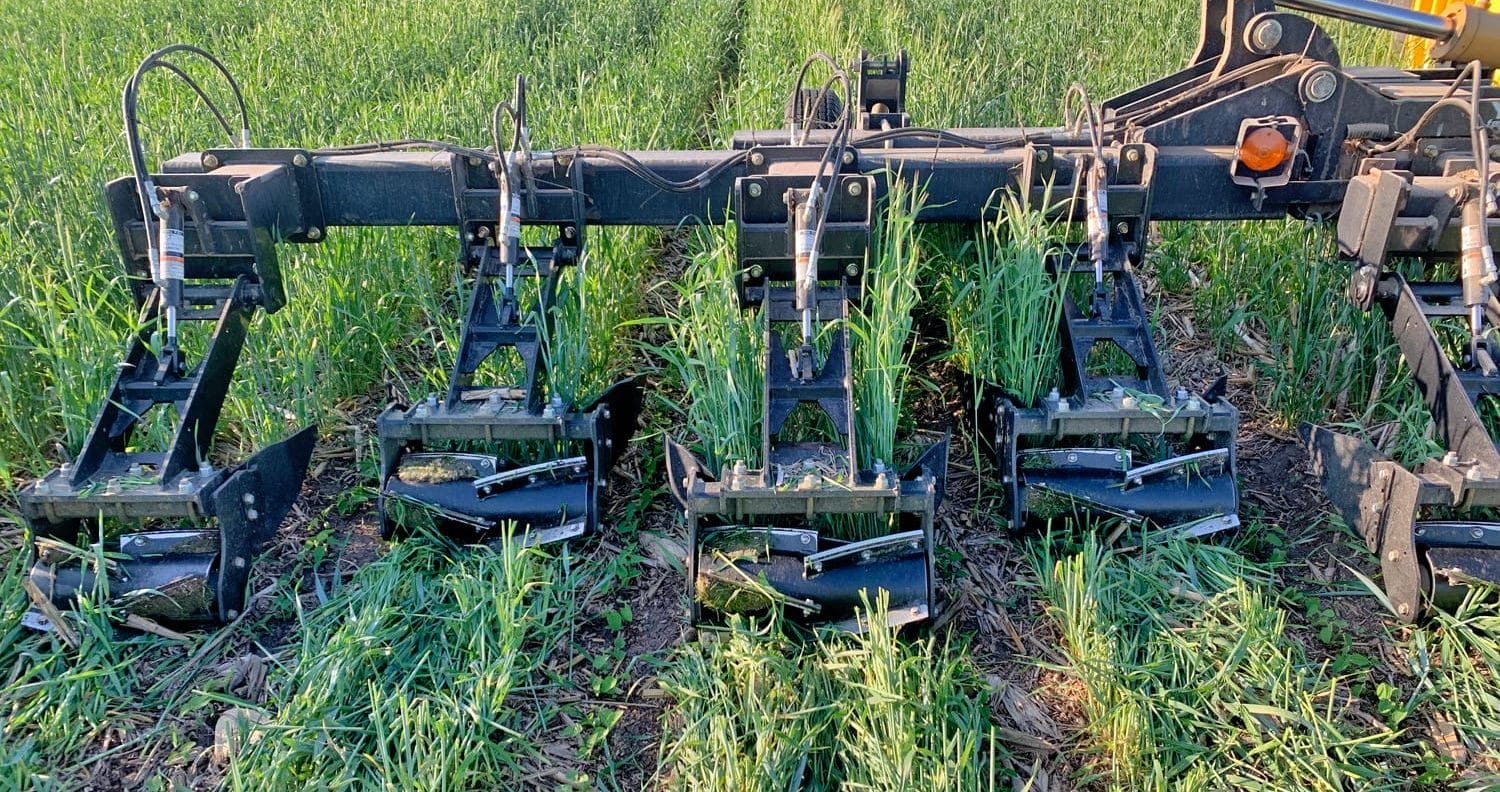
<point x="1376" y="14"/>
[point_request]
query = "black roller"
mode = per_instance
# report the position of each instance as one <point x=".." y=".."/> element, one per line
<point x="541" y="505"/>
<point x="1168" y="501"/>
<point x="831" y="594"/>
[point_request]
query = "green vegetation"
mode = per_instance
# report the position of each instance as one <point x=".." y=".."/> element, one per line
<point x="717" y="351"/>
<point x="409" y="677"/>
<point x="1004" y="308"/>
<point x="438" y="667"/>
<point x="880" y="326"/>
<point x="1193" y="682"/>
<point x="760" y="709"/>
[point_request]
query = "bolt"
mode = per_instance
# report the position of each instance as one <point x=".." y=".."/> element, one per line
<point x="1320" y="86"/>
<point x="757" y="159"/>
<point x="1477" y="533"/>
<point x="210" y="161"/>
<point x="856" y="189"/>
<point x="569" y="232"/>
<point x="474" y="162"/>
<point x="314" y="233"/>
<point x="1122" y="228"/>
<point x="866" y="555"/>
<point x="1430" y="151"/>
<point x="248" y="499"/>
<point x="1128" y="403"/>
<point x="1132" y="155"/>
<point x="817" y="566"/>
<point x="470" y="238"/>
<point x="756" y="271"/>
<point x="754" y="189"/>
<point x="1042" y="155"/>
<point x="1393" y="555"/>
<point x="848" y="157"/>
<point x="1451" y="458"/>
<point x="300" y="160"/>
<point x="1072" y="458"/>
<point x="232" y="614"/>
<point x="239" y="562"/>
<point x="1266" y="35"/>
<point x="252" y="515"/>
<point x="1420" y="531"/>
<point x="1404" y="609"/>
<point x="805" y="539"/>
<point x="192" y="196"/>
<point x="852" y="270"/>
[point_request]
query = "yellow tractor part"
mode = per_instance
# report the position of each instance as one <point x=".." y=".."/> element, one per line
<point x="1416" y="50"/>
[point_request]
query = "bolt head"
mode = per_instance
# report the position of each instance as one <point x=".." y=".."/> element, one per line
<point x="1393" y="555"/>
<point x="1403" y="609"/>
<point x="569" y="232"/>
<point x="1042" y="155"/>
<point x="314" y="233"/>
<point x="239" y="562"/>
<point x="856" y="189"/>
<point x="300" y="160"/>
<point x="1477" y="533"/>
<point x="210" y="161"/>
<point x="1320" y="86"/>
<point x="1132" y="155"/>
<point x="192" y="195"/>
<point x="754" y="189"/>
<point x="1266" y="35"/>
<point x="851" y="270"/>
<point x="848" y="157"/>
<point x="1430" y="151"/>
<point x="232" y="614"/>
<point x="757" y="159"/>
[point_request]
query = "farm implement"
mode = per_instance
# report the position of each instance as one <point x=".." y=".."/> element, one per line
<point x="1263" y="123"/>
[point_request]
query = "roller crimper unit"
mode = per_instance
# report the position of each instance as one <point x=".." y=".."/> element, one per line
<point x="1263" y="123"/>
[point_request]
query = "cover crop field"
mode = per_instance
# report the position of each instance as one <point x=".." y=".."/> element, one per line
<point x="1081" y="658"/>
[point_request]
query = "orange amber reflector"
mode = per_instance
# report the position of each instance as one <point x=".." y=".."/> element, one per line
<point x="1264" y="149"/>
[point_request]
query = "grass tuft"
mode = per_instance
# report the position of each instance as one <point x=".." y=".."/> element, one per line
<point x="1192" y="681"/>
<point x="1004" y="308"/>
<point x="758" y="708"/>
